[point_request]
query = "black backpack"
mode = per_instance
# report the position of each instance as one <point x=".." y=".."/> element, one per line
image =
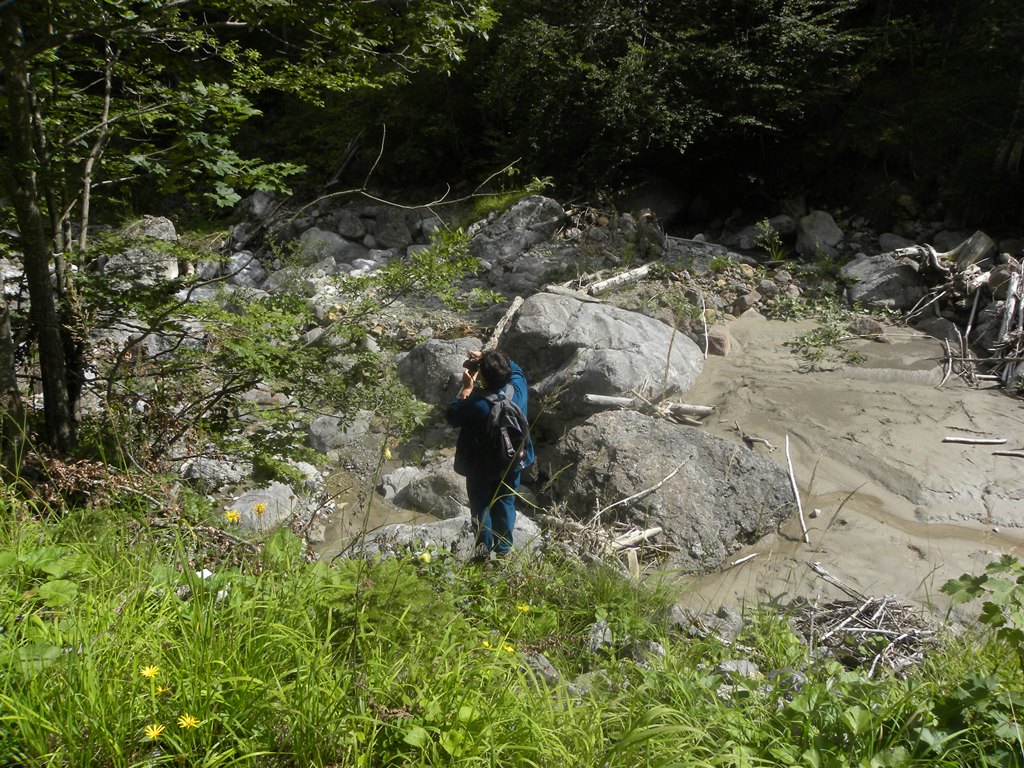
<point x="505" y="435"/>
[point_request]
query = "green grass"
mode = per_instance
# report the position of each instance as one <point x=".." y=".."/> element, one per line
<point x="272" y="660"/>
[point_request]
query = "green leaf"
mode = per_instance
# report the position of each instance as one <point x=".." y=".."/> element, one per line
<point x="34" y="657"/>
<point x="966" y="588"/>
<point x="416" y="736"/>
<point x="858" y="720"/>
<point x="58" y="592"/>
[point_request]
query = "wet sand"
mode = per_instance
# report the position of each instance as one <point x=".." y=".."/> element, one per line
<point x="890" y="508"/>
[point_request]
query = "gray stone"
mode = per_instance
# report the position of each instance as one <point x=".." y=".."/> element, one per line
<point x="245" y="270"/>
<point x="576" y="348"/>
<point x="258" y="205"/>
<point x="453" y="535"/>
<point x="328" y="433"/>
<point x="532" y="220"/>
<point x="432" y="370"/>
<point x="711" y="497"/>
<point x="817" y="233"/>
<point x="643" y="653"/>
<point x="144" y="263"/>
<point x="262" y="509"/>
<point x="349" y="225"/>
<point x="316" y="244"/>
<point x="393" y="482"/>
<point x="437" y="491"/>
<point x="213" y="474"/>
<point x="541" y="668"/>
<point x="890" y="242"/>
<point x="739" y="669"/>
<point x="155" y="227"/>
<point x="599" y="637"/>
<point x="392" y="230"/>
<point x="883" y="281"/>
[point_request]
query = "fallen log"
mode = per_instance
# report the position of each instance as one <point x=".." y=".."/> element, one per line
<point x="636" y="402"/>
<point x="975" y="440"/>
<point x="632" y="539"/>
<point x="563" y="290"/>
<point x="626" y="278"/>
<point x="504" y="323"/>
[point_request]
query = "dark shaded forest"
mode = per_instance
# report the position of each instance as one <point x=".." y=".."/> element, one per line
<point x="855" y="104"/>
<point x="118" y="108"/>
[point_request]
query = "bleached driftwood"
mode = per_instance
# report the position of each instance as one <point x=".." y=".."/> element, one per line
<point x="1012" y="454"/>
<point x="504" y="323"/>
<point x="564" y="290"/>
<point x="632" y="539"/>
<point x="681" y="413"/>
<point x="975" y="440"/>
<point x="749" y="440"/>
<point x="796" y="494"/>
<point x="741" y="560"/>
<point x="636" y="402"/>
<point x="625" y="278"/>
<point x="641" y="494"/>
<point x="559" y="523"/>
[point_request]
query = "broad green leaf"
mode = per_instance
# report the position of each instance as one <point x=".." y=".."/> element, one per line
<point x="965" y="588"/>
<point x="58" y="592"/>
<point x="416" y="736"/>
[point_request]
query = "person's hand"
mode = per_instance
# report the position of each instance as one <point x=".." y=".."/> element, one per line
<point x="469" y="376"/>
<point x="468" y="382"/>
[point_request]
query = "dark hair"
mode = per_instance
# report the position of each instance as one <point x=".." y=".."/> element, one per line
<point x="495" y="368"/>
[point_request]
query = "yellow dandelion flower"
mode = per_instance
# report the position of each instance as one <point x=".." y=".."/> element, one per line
<point x="487" y="645"/>
<point x="232" y="516"/>
<point x="259" y="508"/>
<point x="154" y="731"/>
<point x="162" y="689"/>
<point x="508" y="648"/>
<point x="522" y="608"/>
<point x="188" y="721"/>
<point x="150" y="671"/>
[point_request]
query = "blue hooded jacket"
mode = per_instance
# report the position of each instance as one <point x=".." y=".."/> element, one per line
<point x="470" y="415"/>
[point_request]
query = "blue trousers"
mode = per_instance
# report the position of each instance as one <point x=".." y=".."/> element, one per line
<point x="492" y="503"/>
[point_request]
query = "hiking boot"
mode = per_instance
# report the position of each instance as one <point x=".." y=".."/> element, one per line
<point x="480" y="554"/>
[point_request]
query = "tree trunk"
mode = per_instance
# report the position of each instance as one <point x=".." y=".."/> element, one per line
<point x="35" y="245"/>
<point x="12" y="412"/>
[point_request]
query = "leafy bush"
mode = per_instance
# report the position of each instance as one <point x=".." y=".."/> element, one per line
<point x="165" y="650"/>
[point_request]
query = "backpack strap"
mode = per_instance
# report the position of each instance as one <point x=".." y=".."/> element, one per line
<point x="505" y="393"/>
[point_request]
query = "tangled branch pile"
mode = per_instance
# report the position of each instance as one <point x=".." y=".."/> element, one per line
<point x="964" y="282"/>
<point x="865" y="632"/>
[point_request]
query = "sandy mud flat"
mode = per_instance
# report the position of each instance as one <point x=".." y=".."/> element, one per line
<point x="890" y="508"/>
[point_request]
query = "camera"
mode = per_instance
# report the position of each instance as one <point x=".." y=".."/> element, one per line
<point x="472" y="365"/>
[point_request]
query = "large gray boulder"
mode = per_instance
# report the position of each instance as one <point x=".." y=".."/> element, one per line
<point x="532" y="220"/>
<point x="432" y="370"/>
<point x="576" y="348"/>
<point x="453" y="535"/>
<point x="437" y="491"/>
<point x="317" y="244"/>
<point x="145" y="263"/>
<point x="262" y="509"/>
<point x="817" y="233"/>
<point x="722" y="496"/>
<point x="884" y="281"/>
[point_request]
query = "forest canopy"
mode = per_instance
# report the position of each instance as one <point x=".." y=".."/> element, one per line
<point x="113" y="107"/>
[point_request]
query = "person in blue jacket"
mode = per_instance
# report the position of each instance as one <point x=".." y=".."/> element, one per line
<point x="492" y="493"/>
